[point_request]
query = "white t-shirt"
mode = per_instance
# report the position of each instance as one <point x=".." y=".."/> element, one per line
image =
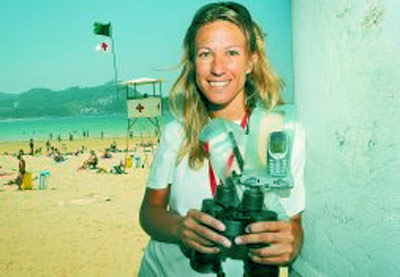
<point x="189" y="188"/>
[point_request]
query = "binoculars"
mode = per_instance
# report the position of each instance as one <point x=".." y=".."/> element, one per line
<point x="235" y="215"/>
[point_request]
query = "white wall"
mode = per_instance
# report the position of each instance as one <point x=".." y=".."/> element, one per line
<point x="347" y="88"/>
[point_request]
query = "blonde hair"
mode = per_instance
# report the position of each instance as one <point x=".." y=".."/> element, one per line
<point x="186" y="100"/>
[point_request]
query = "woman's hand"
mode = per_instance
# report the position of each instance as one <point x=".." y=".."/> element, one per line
<point x="195" y="230"/>
<point x="283" y="241"/>
<point x="199" y="231"/>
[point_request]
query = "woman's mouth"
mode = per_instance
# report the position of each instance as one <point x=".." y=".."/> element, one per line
<point x="219" y="83"/>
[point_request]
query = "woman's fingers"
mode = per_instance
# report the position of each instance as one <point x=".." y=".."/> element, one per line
<point x="206" y="219"/>
<point x="189" y="234"/>
<point x="200" y="231"/>
<point x="267" y="233"/>
<point x="273" y="242"/>
<point x="265" y="238"/>
<point x="268" y="226"/>
<point x="269" y="242"/>
<point x="275" y="253"/>
<point x="275" y="260"/>
<point x="202" y="248"/>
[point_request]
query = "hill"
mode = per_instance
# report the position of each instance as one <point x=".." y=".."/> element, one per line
<point x="41" y="102"/>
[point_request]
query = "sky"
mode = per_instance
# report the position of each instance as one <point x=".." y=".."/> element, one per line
<point x="51" y="44"/>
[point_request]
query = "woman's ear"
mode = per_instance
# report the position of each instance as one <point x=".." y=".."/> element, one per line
<point x="253" y="59"/>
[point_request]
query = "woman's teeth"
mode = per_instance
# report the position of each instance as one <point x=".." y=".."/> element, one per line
<point x="219" y="83"/>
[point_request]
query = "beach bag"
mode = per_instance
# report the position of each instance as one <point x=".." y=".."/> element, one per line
<point x="27" y="181"/>
<point x="128" y="162"/>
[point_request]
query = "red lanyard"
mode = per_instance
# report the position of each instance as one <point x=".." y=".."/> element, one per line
<point x="211" y="174"/>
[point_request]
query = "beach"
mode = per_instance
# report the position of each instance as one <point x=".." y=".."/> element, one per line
<point x="84" y="223"/>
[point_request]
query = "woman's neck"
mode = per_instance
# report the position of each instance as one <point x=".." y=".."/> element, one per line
<point x="235" y="110"/>
<point x="232" y="114"/>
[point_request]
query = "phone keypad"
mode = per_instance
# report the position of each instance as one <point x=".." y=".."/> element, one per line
<point x="278" y="167"/>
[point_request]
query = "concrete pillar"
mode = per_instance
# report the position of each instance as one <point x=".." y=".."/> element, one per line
<point x="347" y="88"/>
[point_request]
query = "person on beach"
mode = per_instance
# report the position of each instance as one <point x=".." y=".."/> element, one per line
<point x="31" y="146"/>
<point x="113" y="147"/>
<point x="38" y="151"/>
<point x="21" y="172"/>
<point x="119" y="169"/>
<point x="107" y="154"/>
<point x="51" y="153"/>
<point x="48" y="145"/>
<point x="80" y="150"/>
<point x="58" y="157"/>
<point x="225" y="75"/>
<point x="90" y="162"/>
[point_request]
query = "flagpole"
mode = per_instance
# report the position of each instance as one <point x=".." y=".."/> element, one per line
<point x="114" y="62"/>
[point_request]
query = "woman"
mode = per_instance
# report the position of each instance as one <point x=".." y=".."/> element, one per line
<point x="225" y="73"/>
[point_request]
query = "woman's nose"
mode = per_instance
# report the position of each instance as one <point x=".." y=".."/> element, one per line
<point x="218" y="65"/>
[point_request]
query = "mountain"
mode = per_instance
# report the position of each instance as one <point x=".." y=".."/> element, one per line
<point x="41" y="102"/>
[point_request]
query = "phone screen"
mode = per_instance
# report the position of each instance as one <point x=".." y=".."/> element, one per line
<point x="278" y="143"/>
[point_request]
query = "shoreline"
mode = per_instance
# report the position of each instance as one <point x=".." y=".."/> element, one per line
<point x="79" y="126"/>
<point x="65" y="146"/>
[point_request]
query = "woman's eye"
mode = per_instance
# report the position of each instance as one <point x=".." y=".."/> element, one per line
<point x="233" y="53"/>
<point x="203" y="54"/>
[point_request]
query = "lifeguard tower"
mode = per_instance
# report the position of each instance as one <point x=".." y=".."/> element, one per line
<point x="144" y="104"/>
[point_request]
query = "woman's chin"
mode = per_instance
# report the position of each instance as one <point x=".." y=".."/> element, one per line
<point x="212" y="106"/>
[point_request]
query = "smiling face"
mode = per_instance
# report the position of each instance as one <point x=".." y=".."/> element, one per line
<point x="222" y="61"/>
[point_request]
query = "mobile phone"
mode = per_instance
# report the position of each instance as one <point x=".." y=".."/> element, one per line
<point x="278" y="154"/>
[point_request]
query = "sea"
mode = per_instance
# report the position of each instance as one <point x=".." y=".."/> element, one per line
<point x="80" y="126"/>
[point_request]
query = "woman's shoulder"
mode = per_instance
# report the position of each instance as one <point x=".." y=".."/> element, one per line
<point x="174" y="124"/>
<point x="173" y="132"/>
<point x="173" y="127"/>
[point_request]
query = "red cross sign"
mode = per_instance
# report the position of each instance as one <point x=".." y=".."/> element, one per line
<point x="140" y="108"/>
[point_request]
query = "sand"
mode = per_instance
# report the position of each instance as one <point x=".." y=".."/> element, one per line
<point x="83" y="224"/>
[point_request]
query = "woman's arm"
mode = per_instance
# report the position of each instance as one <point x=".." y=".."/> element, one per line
<point x="155" y="220"/>
<point x="194" y="230"/>
<point x="284" y="240"/>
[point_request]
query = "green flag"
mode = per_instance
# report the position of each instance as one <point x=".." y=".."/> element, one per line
<point x="102" y="29"/>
